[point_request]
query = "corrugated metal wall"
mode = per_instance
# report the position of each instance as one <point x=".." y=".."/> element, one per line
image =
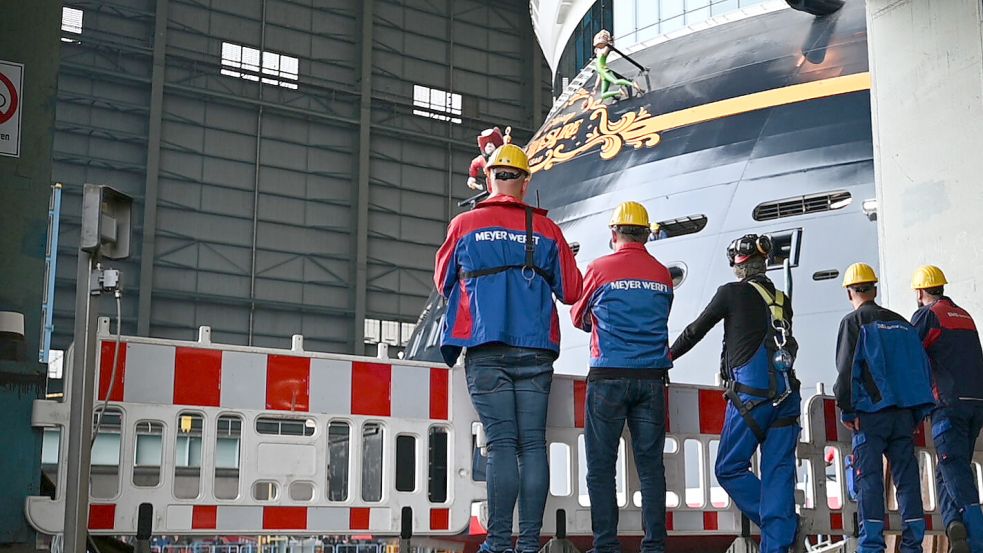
<point x="257" y="185"/>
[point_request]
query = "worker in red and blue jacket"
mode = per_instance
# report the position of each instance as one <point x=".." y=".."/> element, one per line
<point x="952" y="342"/>
<point x="625" y="307"/>
<point x="500" y="268"/>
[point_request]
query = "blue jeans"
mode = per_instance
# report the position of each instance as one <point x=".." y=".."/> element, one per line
<point x="887" y="433"/>
<point x="610" y="403"/>
<point x="510" y="390"/>
<point x="955" y="429"/>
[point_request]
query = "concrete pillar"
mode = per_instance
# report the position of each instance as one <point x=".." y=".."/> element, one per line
<point x="926" y="57"/>
<point x="29" y="34"/>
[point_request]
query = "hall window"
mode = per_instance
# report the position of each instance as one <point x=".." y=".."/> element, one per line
<point x="71" y="20"/>
<point x="252" y="65"/>
<point x="436" y="104"/>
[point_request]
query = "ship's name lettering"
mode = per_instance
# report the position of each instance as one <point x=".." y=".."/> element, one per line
<point x="551" y="138"/>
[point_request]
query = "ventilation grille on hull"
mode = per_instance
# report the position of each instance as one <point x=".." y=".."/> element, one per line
<point x="802" y="205"/>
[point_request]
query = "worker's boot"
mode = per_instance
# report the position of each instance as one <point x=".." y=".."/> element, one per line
<point x="958" y="537"/>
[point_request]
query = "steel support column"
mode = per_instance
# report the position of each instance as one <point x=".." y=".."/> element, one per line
<point x="449" y="207"/>
<point x="537" y="84"/>
<point x="147" y="251"/>
<point x="256" y="181"/>
<point x="361" y="243"/>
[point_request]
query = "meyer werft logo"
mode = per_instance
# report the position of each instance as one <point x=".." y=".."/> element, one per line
<point x="639" y="285"/>
<point x="487" y="235"/>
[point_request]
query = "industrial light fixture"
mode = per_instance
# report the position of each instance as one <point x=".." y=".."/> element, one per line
<point x="870" y="208"/>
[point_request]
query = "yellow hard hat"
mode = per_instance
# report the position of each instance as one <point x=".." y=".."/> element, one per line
<point x="509" y="155"/>
<point x="655" y="227"/>
<point x="928" y="276"/>
<point x="630" y="214"/>
<point x="859" y="273"/>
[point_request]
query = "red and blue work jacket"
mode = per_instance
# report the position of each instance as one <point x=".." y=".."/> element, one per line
<point x="950" y="338"/>
<point x="625" y="306"/>
<point x="496" y="290"/>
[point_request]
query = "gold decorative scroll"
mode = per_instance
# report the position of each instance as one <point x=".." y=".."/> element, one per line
<point x="640" y="129"/>
<point x="635" y="128"/>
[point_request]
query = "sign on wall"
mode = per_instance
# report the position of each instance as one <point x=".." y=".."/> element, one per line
<point x="11" y="105"/>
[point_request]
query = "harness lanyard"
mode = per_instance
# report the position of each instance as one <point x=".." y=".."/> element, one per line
<point x="776" y="314"/>
<point x="530" y="264"/>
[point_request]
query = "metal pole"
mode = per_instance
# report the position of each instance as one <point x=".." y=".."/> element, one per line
<point x="145" y="292"/>
<point x="360" y="272"/>
<point x="80" y="394"/>
<point x="51" y="268"/>
<point x="256" y="181"/>
<point x="448" y="209"/>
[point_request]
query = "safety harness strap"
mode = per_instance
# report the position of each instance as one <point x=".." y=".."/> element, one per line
<point x="776" y="312"/>
<point x="502" y="269"/>
<point x="528" y="264"/>
<point x="744" y="409"/>
<point x="787" y="421"/>
<point x="751" y="391"/>
<point x="530" y="243"/>
<point x="776" y="303"/>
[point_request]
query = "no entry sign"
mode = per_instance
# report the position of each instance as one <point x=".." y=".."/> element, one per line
<point x="11" y="105"/>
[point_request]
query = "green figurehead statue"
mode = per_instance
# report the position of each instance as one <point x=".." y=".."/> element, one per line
<point x="603" y="44"/>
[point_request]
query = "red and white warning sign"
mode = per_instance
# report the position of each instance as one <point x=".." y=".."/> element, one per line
<point x="11" y="105"/>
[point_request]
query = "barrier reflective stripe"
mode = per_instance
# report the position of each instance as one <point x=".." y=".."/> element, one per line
<point x="102" y="516"/>
<point x="368" y="426"/>
<point x="165" y="374"/>
<point x="237" y="518"/>
<point x="707" y="417"/>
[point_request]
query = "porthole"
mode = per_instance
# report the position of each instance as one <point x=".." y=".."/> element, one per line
<point x="678" y="273"/>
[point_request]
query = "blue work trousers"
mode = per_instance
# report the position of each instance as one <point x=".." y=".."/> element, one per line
<point x="510" y="390"/>
<point x="955" y="429"/>
<point x="887" y="433"/>
<point x="769" y="501"/>
<point x="610" y="404"/>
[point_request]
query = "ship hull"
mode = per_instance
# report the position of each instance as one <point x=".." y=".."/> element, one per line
<point x="752" y="115"/>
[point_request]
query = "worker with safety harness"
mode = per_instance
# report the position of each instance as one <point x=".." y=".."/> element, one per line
<point x="884" y="391"/>
<point x="625" y="307"/>
<point x="500" y="268"/>
<point x="952" y="342"/>
<point x="762" y="391"/>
